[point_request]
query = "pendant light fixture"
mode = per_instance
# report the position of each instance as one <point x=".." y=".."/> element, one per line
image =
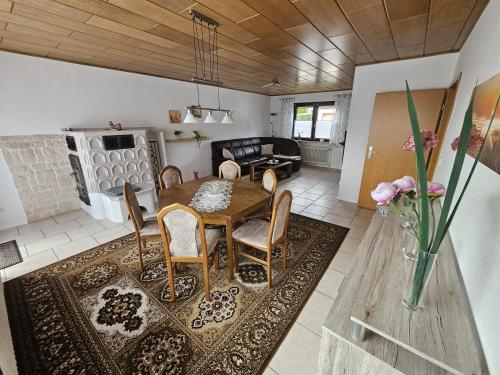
<point x="227" y="119"/>
<point x="210" y="119"/>
<point x="190" y="119"/>
<point x="206" y="65"/>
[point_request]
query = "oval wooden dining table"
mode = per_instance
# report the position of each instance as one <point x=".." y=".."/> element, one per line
<point x="247" y="197"/>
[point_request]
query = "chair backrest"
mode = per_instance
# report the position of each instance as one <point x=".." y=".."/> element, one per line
<point x="269" y="184"/>
<point x="134" y="210"/>
<point x="230" y="170"/>
<point x="280" y="216"/>
<point x="170" y="176"/>
<point x="182" y="228"/>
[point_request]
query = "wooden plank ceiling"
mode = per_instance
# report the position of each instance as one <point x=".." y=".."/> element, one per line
<point x="308" y="45"/>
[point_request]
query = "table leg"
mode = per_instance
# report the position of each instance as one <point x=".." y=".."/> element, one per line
<point x="358" y="332"/>
<point x="252" y="173"/>
<point x="230" y="250"/>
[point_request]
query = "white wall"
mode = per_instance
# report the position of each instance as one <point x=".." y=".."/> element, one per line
<point x="423" y="73"/>
<point x="40" y="96"/>
<point x="475" y="230"/>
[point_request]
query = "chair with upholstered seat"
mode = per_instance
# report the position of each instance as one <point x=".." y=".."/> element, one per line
<point x="186" y="240"/>
<point x="170" y="176"/>
<point x="264" y="236"/>
<point x="269" y="185"/>
<point x="230" y="170"/>
<point x="143" y="228"/>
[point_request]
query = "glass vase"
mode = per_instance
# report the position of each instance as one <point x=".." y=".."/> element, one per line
<point x="409" y="245"/>
<point x="415" y="287"/>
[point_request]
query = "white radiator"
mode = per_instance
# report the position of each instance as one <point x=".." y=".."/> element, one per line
<point x="315" y="153"/>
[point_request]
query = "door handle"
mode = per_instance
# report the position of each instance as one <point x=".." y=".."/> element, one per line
<point x="371" y="151"/>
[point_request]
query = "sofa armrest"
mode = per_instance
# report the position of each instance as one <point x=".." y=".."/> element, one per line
<point x="7" y="356"/>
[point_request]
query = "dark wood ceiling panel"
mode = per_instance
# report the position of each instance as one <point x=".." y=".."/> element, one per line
<point x="411" y="51"/>
<point x="326" y="15"/>
<point x="308" y="45"/>
<point x="236" y="11"/>
<point x="281" y="12"/>
<point x="311" y="37"/>
<point x="409" y="31"/>
<point x="399" y="10"/>
<point x="471" y="21"/>
<point x="350" y="44"/>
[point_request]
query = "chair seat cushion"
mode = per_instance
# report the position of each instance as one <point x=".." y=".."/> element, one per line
<point x="150" y="228"/>
<point x="253" y="233"/>
<point x="212" y="236"/>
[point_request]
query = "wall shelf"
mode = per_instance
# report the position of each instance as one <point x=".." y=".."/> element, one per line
<point x="178" y="140"/>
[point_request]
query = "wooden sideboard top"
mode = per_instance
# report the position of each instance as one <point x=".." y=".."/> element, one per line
<point x="442" y="336"/>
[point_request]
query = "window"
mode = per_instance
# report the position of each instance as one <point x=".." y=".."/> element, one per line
<point x="313" y="121"/>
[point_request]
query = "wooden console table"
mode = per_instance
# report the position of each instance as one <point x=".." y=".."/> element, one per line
<point x="368" y="331"/>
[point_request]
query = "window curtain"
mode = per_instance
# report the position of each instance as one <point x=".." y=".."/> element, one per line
<point x="284" y="127"/>
<point x="339" y="126"/>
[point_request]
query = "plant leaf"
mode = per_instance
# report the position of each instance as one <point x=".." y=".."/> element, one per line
<point x="469" y="177"/>
<point x="454" y="176"/>
<point x="421" y="173"/>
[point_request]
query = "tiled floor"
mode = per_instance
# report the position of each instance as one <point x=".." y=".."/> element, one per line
<point x="314" y="195"/>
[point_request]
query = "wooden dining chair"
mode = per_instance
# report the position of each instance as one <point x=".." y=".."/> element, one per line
<point x="143" y="228"/>
<point x="170" y="176"/>
<point x="265" y="236"/>
<point x="230" y="170"/>
<point x="186" y="240"/>
<point x="269" y="185"/>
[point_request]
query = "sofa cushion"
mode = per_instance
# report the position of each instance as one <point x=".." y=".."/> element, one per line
<point x="267" y="149"/>
<point x="226" y="154"/>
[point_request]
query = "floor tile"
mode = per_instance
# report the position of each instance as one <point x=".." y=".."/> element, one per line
<point x="296" y="209"/>
<point x="338" y="220"/>
<point x="30" y="264"/>
<point x="362" y="221"/>
<point x="309" y="195"/>
<point x="324" y="202"/>
<point x="366" y="212"/>
<point x="72" y="215"/>
<point x="347" y="204"/>
<point x="111" y="234"/>
<point x="36" y="225"/>
<point x="356" y="232"/>
<point x="85" y="220"/>
<point x="302" y="201"/>
<point x="269" y="371"/>
<point x="108" y="223"/>
<point x="298" y="353"/>
<point x="29" y="237"/>
<point x="59" y="228"/>
<point x="47" y="243"/>
<point x="314" y="313"/>
<point x="8" y="234"/>
<point x="86" y="230"/>
<point x="317" y="210"/>
<point x="312" y="216"/>
<point x="75" y="247"/>
<point x="345" y="212"/>
<point x="330" y="283"/>
<point x="342" y="262"/>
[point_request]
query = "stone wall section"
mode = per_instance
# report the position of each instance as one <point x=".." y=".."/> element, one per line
<point x="41" y="171"/>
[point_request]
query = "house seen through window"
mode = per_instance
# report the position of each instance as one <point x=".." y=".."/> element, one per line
<point x="313" y="121"/>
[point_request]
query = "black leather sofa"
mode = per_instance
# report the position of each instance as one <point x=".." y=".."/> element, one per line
<point x="248" y="150"/>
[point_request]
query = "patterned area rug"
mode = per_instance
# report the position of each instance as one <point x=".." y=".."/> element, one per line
<point x="97" y="313"/>
<point x="9" y="254"/>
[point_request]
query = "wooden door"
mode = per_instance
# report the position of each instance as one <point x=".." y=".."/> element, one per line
<point x="385" y="159"/>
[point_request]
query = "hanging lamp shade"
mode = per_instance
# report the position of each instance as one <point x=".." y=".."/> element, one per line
<point x="227" y="119"/>
<point x="190" y="119"/>
<point x="210" y="119"/>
